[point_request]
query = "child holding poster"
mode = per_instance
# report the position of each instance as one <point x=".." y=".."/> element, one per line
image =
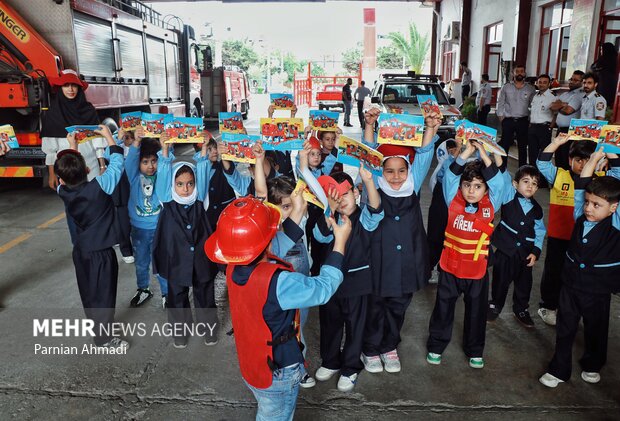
<point x="244" y="184"/>
<point x="399" y="250"/>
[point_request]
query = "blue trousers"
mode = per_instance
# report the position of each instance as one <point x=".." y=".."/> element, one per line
<point x="142" y="240"/>
<point x="278" y="401"/>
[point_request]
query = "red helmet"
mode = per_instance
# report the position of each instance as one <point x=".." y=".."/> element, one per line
<point x="314" y="142"/>
<point x="244" y="230"/>
<point x="396" y="150"/>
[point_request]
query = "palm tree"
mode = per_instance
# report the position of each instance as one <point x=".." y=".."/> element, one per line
<point x="413" y="49"/>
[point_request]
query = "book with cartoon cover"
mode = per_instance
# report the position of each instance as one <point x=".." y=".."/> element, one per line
<point x="429" y="104"/>
<point x="400" y="129"/>
<point x="326" y="121"/>
<point x="282" y="101"/>
<point x="307" y="193"/>
<point x="239" y="147"/>
<point x="282" y="134"/>
<point x="352" y="152"/>
<point x="131" y="121"/>
<point x="154" y="124"/>
<point x="185" y="130"/>
<point x="83" y="133"/>
<point x="610" y="138"/>
<point x="7" y="135"/>
<point x="583" y="129"/>
<point x="485" y="135"/>
<point x="231" y="123"/>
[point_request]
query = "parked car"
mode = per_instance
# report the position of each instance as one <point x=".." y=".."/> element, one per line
<point x="330" y="97"/>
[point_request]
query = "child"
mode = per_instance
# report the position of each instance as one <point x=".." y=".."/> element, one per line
<point x="244" y="184"/>
<point x="438" y="211"/>
<point x="346" y="310"/>
<point x="399" y="249"/>
<point x="561" y="221"/>
<point x="90" y="206"/>
<point x="220" y="192"/>
<point x="328" y="147"/>
<point x="181" y="232"/>
<point x="518" y="240"/>
<point x="144" y="211"/>
<point x="264" y="295"/>
<point x="590" y="274"/>
<point x="473" y="192"/>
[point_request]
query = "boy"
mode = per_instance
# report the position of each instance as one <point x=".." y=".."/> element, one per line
<point x="561" y="221"/>
<point x="591" y="273"/>
<point x="144" y="210"/>
<point x="473" y="192"/>
<point x="347" y="308"/>
<point x="264" y="298"/>
<point x="518" y="241"/>
<point x="89" y="204"/>
<point x="220" y="192"/>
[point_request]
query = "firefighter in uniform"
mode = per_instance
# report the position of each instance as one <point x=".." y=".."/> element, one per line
<point x="593" y="104"/>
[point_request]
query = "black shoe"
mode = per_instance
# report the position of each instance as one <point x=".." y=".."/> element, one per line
<point x="524" y="318"/>
<point x="142" y="296"/>
<point x="348" y="125"/>
<point x="492" y="313"/>
<point x="180" y="342"/>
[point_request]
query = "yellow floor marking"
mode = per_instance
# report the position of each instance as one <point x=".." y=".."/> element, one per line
<point x="23" y="237"/>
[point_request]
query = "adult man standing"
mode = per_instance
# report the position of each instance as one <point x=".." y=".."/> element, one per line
<point x="483" y="100"/>
<point x="513" y="109"/>
<point x="568" y="106"/>
<point x="465" y="81"/>
<point x="541" y="118"/>
<point x="347" y="100"/>
<point x="360" y="93"/>
<point x="593" y="104"/>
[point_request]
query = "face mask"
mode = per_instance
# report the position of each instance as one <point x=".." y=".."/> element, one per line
<point x="519" y="78"/>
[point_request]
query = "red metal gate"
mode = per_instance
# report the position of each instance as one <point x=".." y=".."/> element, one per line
<point x="305" y="86"/>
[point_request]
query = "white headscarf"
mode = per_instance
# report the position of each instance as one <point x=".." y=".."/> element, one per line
<point x="407" y="187"/>
<point x="189" y="200"/>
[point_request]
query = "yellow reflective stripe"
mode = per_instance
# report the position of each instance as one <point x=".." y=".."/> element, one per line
<point x="464" y="241"/>
<point x="465" y="251"/>
<point x="479" y="246"/>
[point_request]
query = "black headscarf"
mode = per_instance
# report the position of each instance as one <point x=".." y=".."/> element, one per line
<point x="64" y="112"/>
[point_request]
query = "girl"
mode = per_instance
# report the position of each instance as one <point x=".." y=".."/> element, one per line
<point x="399" y="250"/>
<point x="178" y="251"/>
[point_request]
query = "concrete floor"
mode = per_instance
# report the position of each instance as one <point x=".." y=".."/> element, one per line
<point x="155" y="381"/>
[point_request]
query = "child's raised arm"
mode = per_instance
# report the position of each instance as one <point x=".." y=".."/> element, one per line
<point x="424" y="154"/>
<point x="374" y="198"/>
<point x="109" y="179"/>
<point x="370" y="118"/>
<point x="260" y="181"/>
<point x="163" y="181"/>
<point x="548" y="170"/>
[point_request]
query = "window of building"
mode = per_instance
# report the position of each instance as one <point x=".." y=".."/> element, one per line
<point x="554" y="39"/>
<point x="610" y="24"/>
<point x="493" y="51"/>
<point x="448" y="63"/>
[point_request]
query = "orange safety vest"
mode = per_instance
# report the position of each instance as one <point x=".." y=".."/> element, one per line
<point x="253" y="337"/>
<point x="561" y="206"/>
<point x="466" y="246"/>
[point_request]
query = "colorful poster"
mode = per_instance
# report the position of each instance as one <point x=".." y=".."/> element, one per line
<point x="396" y="109"/>
<point x="307" y="194"/>
<point x="485" y="135"/>
<point x="185" y="130"/>
<point x="154" y="124"/>
<point x="428" y="104"/>
<point x="585" y="129"/>
<point x="231" y="123"/>
<point x="401" y="129"/>
<point x="326" y="121"/>
<point x="459" y="126"/>
<point x="582" y="22"/>
<point x="352" y="152"/>
<point x="83" y="133"/>
<point x="131" y="121"/>
<point x="282" y="101"/>
<point x="282" y="134"/>
<point x="239" y="147"/>
<point x="610" y="139"/>
<point x="7" y="135"/>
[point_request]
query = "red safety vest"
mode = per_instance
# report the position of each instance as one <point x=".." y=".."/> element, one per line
<point x="466" y="246"/>
<point x="252" y="335"/>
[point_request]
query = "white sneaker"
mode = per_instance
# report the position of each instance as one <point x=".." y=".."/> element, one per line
<point x="117" y="343"/>
<point x="372" y="364"/>
<point x="548" y="316"/>
<point x="164" y="301"/>
<point x="434" y="279"/>
<point x="323" y="374"/>
<point x="307" y="382"/>
<point x="391" y="361"/>
<point x="550" y="380"/>
<point x="128" y="259"/>
<point x="347" y="383"/>
<point x="590" y="377"/>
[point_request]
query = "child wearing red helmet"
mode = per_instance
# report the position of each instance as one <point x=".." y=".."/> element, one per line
<point x="399" y="250"/>
<point x="264" y="296"/>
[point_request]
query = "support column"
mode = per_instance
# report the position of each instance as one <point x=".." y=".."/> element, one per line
<point x="523" y="31"/>
<point x="434" y="37"/>
<point x="465" y="28"/>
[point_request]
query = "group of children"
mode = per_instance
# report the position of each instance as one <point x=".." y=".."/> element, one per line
<point x="366" y="261"/>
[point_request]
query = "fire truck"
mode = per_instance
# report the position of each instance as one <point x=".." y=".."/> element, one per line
<point x="133" y="58"/>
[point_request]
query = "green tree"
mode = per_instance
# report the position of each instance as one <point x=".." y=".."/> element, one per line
<point x="415" y="48"/>
<point x="388" y="57"/>
<point x="317" y="70"/>
<point x="238" y="53"/>
<point x="351" y="59"/>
